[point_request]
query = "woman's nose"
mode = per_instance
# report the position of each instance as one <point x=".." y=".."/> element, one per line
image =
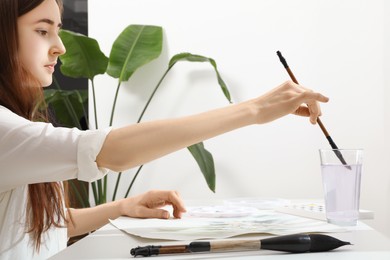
<point x="58" y="47"/>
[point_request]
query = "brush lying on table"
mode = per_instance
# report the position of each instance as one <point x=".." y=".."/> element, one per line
<point x="298" y="243"/>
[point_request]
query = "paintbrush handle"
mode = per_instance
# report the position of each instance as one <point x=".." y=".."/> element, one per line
<point x="318" y="119"/>
<point x="225" y="246"/>
<point x="327" y="135"/>
<point x="294" y="79"/>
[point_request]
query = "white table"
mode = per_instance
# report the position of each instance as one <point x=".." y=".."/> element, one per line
<point x="110" y="243"/>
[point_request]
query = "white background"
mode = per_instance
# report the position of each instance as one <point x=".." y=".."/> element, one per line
<point x="339" y="48"/>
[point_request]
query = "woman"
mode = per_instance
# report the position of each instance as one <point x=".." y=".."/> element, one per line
<point x="35" y="156"/>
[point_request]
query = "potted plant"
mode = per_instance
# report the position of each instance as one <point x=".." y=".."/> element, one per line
<point x="136" y="46"/>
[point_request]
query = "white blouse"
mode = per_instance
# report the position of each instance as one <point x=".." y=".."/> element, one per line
<point x="33" y="152"/>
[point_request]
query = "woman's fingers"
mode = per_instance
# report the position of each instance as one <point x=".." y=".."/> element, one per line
<point x="149" y="204"/>
<point x="289" y="98"/>
<point x="312" y="108"/>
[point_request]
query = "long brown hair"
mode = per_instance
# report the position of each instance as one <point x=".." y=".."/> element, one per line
<point x="21" y="93"/>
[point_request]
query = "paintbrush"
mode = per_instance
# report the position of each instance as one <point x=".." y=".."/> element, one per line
<point x="297" y="243"/>
<point x="327" y="135"/>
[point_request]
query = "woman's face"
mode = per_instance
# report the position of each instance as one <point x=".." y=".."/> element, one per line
<point x="39" y="43"/>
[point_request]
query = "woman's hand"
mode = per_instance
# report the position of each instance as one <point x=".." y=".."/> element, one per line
<point x="146" y="205"/>
<point x="149" y="204"/>
<point x="288" y="98"/>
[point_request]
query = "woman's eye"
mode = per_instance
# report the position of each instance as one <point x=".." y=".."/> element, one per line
<point x="42" y="32"/>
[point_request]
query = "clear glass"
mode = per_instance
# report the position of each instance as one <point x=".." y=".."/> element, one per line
<point x="341" y="177"/>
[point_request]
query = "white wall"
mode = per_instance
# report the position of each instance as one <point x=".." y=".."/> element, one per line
<point x="335" y="47"/>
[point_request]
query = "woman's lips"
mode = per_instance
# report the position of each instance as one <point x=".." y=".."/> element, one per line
<point x="50" y="67"/>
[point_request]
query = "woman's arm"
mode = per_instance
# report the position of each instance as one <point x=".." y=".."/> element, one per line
<point x="137" y="144"/>
<point x="147" y="205"/>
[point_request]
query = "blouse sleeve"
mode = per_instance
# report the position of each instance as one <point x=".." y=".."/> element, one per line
<point x="33" y="152"/>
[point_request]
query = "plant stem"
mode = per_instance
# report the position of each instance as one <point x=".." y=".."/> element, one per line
<point x="139" y="120"/>
<point x="114" y="104"/>
<point x="76" y="191"/>
<point x="100" y="192"/>
<point x="111" y="120"/>
<point x="132" y="182"/>
<point x="152" y="95"/>
<point x="94" y="191"/>
<point x="94" y="104"/>
<point x="116" y="185"/>
<point x="105" y="188"/>
<point x="69" y="106"/>
<point x="85" y="194"/>
<point x="84" y="112"/>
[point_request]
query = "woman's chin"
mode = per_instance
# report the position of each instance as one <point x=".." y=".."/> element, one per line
<point x="46" y="83"/>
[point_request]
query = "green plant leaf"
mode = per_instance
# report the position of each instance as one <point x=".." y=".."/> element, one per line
<point x="65" y="116"/>
<point x="83" y="57"/>
<point x="198" y="58"/>
<point x="206" y="163"/>
<point x="134" y="47"/>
